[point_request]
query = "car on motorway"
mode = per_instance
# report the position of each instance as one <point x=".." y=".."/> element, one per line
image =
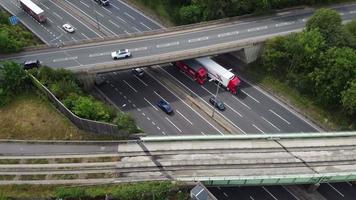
<point x="69" y="28"/>
<point x="138" y="71"/>
<point x="30" y="64"/>
<point x="103" y="2"/>
<point x="122" y="53"/>
<point x="165" y="106"/>
<point x="217" y="103"/>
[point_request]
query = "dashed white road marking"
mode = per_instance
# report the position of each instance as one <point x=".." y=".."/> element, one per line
<point x="257" y="28"/>
<point x="99" y="54"/>
<point x="198" y="39"/>
<point x="202" y="133"/>
<point x="225" y="194"/>
<point x="258" y="128"/>
<point x="141" y="80"/>
<point x="285" y="24"/>
<point x="279" y="116"/>
<point x="115" y="6"/>
<point x="139" y="49"/>
<point x="49" y="19"/>
<point x="150" y="104"/>
<point x="130" y="86"/>
<point x="44" y="5"/>
<point x="270" y="123"/>
<point x="107" y="10"/>
<point x="173" y="124"/>
<point x="184" y="117"/>
<point x="250" y="96"/>
<point x="269" y="193"/>
<point x="228" y="34"/>
<point x="146" y="26"/>
<point x="341" y="194"/>
<point x="85" y="4"/>
<point x="352" y="12"/>
<point x="127" y="14"/>
<point x="252" y="198"/>
<point x="160" y="96"/>
<point x="121" y="19"/>
<point x="113" y="23"/>
<point x="73" y="38"/>
<point x="136" y="29"/>
<point x="60" y="17"/>
<point x="290" y="192"/>
<point x="241" y="102"/>
<point x="167" y="44"/>
<point x="65" y="59"/>
<point x="164" y="133"/>
<point x="86" y="37"/>
<point x="101" y="15"/>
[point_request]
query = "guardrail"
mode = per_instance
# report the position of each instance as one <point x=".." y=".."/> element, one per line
<point x="83" y="124"/>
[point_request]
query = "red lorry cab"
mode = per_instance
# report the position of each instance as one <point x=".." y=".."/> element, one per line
<point x="193" y="69"/>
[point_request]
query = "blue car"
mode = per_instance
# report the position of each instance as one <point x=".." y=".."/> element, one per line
<point x="165" y="106"/>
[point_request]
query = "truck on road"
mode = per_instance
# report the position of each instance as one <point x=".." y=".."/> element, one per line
<point x="33" y="10"/>
<point x="193" y="69"/>
<point x="219" y="74"/>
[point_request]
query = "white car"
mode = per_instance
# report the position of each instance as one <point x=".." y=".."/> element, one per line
<point x="69" y="28"/>
<point x="122" y="53"/>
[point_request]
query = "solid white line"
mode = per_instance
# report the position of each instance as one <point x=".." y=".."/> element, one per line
<point x="60" y="17"/>
<point x="146" y="26"/>
<point x="85" y="4"/>
<point x="173" y="124"/>
<point x="233" y="96"/>
<point x="206" y="104"/>
<point x="113" y="23"/>
<point x="290" y="192"/>
<point x="271" y="123"/>
<point x="184" y="117"/>
<point x="150" y="104"/>
<point x="258" y="128"/>
<point x="129" y="15"/>
<point x="141" y="80"/>
<point x="160" y="95"/>
<point x="186" y="103"/>
<point x="279" y="116"/>
<point x="130" y="86"/>
<point x="341" y="194"/>
<point x="250" y="96"/>
<point x="61" y="29"/>
<point x="269" y="193"/>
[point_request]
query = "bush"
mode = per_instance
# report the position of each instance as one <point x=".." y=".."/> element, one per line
<point x="89" y="108"/>
<point x="126" y="122"/>
<point x="62" y="88"/>
<point x="13" y="77"/>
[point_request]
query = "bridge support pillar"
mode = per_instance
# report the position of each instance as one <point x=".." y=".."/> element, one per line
<point x="249" y="54"/>
<point x="312" y="188"/>
<point x="87" y="79"/>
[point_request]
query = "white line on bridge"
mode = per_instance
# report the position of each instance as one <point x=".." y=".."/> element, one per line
<point x="198" y="39"/>
<point x="136" y="29"/>
<point x="139" y="49"/>
<point x="173" y="124"/>
<point x="50" y="20"/>
<point x="270" y="123"/>
<point x="257" y="28"/>
<point x="107" y="10"/>
<point x="228" y="34"/>
<point x="184" y="117"/>
<point x="130" y="86"/>
<point x="150" y="103"/>
<point x="99" y="54"/>
<point x="65" y="59"/>
<point x="279" y="116"/>
<point x="167" y="44"/>
<point x="285" y="24"/>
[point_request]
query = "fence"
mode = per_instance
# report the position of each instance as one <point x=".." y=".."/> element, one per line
<point x="83" y="124"/>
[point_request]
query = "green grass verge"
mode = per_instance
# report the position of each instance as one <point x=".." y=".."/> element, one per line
<point x="30" y="117"/>
<point x="33" y="177"/>
<point x="68" y="160"/>
<point x="333" y="120"/>
<point x="9" y="161"/>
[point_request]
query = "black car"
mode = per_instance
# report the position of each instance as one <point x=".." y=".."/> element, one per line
<point x="218" y="103"/>
<point x="103" y="2"/>
<point x="30" y="64"/>
<point x="165" y="106"/>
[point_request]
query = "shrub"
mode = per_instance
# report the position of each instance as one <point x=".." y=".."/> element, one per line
<point x="63" y="88"/>
<point x="87" y="107"/>
<point x="126" y="122"/>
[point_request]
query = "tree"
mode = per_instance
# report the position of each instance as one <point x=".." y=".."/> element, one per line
<point x="12" y="77"/>
<point x="7" y="43"/>
<point x="126" y="122"/>
<point x="349" y="98"/>
<point x="88" y="108"/>
<point x="190" y="14"/>
<point x="328" y="22"/>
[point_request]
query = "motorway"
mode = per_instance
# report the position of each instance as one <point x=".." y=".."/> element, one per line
<point x="127" y="20"/>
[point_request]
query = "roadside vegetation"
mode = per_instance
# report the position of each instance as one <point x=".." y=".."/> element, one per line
<point x="317" y="68"/>
<point x="192" y="11"/>
<point x="137" y="191"/>
<point x="14" y="38"/>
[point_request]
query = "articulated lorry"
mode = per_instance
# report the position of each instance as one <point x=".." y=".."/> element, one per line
<point x="193" y="69"/>
<point x="32" y="9"/>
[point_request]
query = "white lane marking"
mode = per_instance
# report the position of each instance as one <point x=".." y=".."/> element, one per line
<point x="49" y="20"/>
<point x="205" y="103"/>
<point x="285" y="24"/>
<point x="228" y="34"/>
<point x="146" y="26"/>
<point x="352" y="11"/>
<point x="164" y="133"/>
<point x="342" y="14"/>
<point x="60" y="17"/>
<point x="241" y="102"/>
<point x="127" y="14"/>
<point x="283" y="13"/>
<point x="149" y="119"/>
<point x="202" y="133"/>
<point x="269" y="193"/>
<point x="160" y="96"/>
<point x="130" y="86"/>
<point x="141" y="80"/>
<point x="173" y="124"/>
<point x="143" y="114"/>
<point x="290" y="192"/>
<point x="113" y="23"/>
<point x="115" y="6"/>
<point x="348" y="183"/>
<point x="136" y="29"/>
<point x="158" y="128"/>
<point x="279" y="116"/>
<point x="258" y="128"/>
<point x="101" y="15"/>
<point x="85" y="4"/>
<point x="150" y="104"/>
<point x="107" y="9"/>
<point x="154" y="123"/>
<point x="116" y="89"/>
<point x="44" y="5"/>
<point x="139" y="49"/>
<point x="73" y="39"/>
<point x="134" y="105"/>
<point x="252" y="198"/>
<point x="61" y="29"/>
<point x="304" y="19"/>
<point x="184" y="117"/>
<point x="270" y="123"/>
<point x="85" y="36"/>
<point x="129" y="101"/>
<point x="185" y="102"/>
<point x="121" y="19"/>
<point x="65" y="59"/>
<point x="239" y="114"/>
<point x="167" y="44"/>
<point x="225" y="194"/>
<point x="99" y="54"/>
<point x="249" y="96"/>
<point x="198" y="39"/>
<point x="341" y="194"/>
<point x="257" y="28"/>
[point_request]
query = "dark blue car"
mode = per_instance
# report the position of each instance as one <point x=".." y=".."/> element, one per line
<point x="165" y="106"/>
<point x="217" y="103"/>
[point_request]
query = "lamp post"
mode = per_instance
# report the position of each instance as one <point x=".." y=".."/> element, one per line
<point x="216" y="95"/>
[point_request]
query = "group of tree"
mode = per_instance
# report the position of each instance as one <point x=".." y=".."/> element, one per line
<point x="192" y="11"/>
<point x="319" y="62"/>
<point x="13" y="38"/>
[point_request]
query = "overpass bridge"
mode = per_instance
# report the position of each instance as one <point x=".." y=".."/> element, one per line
<point x="275" y="159"/>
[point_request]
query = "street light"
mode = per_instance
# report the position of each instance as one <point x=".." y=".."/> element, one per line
<point x="216" y="94"/>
